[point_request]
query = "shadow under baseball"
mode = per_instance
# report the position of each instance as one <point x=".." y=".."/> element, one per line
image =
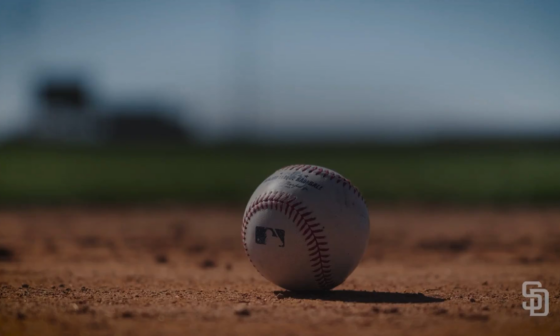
<point x="361" y="296"/>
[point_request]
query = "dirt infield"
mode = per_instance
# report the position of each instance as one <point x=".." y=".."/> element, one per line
<point x="134" y="271"/>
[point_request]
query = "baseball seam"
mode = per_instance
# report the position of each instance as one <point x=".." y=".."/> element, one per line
<point x="317" y="245"/>
<point x="325" y="173"/>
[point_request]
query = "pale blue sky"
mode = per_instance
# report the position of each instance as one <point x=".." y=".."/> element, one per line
<point x="361" y="69"/>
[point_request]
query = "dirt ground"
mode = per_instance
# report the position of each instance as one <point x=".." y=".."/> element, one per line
<point x="182" y="270"/>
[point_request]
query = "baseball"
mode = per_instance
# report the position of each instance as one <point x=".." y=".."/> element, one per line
<point x="305" y="228"/>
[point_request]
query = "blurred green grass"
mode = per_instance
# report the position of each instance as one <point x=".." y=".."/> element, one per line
<point x="44" y="175"/>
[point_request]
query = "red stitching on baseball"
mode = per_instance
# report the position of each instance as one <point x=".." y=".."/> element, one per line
<point x="325" y="173"/>
<point x="322" y="273"/>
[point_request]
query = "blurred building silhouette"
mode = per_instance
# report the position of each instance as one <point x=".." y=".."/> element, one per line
<point x="142" y="122"/>
<point x="68" y="113"/>
<point x="65" y="113"/>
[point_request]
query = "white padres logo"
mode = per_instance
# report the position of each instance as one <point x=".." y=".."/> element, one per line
<point x="540" y="294"/>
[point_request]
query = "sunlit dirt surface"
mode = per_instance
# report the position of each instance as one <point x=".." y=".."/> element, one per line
<point x="182" y="270"/>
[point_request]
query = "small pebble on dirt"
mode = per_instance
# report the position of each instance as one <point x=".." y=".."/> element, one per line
<point x="485" y="283"/>
<point x="80" y="309"/>
<point x="472" y="300"/>
<point x="127" y="314"/>
<point x="241" y="310"/>
<point x="61" y="285"/>
<point x="228" y="267"/>
<point x="208" y="263"/>
<point x="161" y="259"/>
<point x="194" y="249"/>
<point x="6" y="254"/>
<point x="25" y="285"/>
<point x="394" y="310"/>
<point x="20" y="316"/>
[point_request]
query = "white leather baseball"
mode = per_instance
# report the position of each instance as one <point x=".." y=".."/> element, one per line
<point x="305" y="228"/>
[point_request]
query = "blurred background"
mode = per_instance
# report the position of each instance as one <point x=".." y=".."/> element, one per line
<point x="198" y="101"/>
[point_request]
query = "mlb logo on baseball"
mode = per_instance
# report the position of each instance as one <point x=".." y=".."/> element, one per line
<point x="261" y="233"/>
